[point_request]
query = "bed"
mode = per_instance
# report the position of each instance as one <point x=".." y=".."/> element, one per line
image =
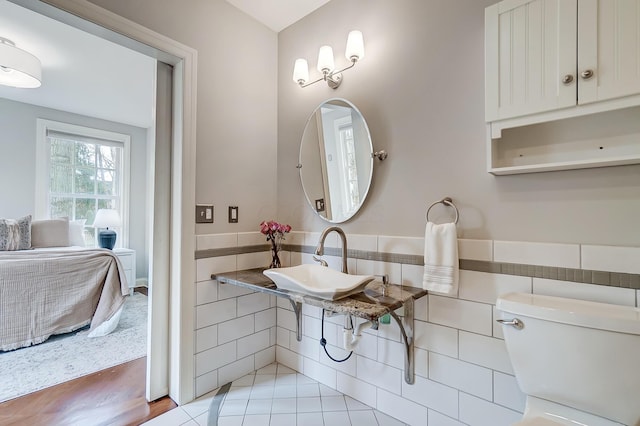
<point x="47" y="291"/>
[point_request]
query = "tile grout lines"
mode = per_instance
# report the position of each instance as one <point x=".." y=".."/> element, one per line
<point x="278" y="396"/>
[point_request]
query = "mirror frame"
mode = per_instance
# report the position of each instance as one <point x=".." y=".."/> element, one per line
<point x="312" y="116"/>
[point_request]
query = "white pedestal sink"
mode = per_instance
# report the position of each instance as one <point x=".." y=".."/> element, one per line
<point x="318" y="281"/>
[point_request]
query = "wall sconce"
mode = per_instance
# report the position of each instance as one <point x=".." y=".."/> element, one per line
<point x="354" y="53"/>
<point x="17" y="67"/>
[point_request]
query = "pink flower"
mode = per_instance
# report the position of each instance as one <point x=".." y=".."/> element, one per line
<point x="273" y="229"/>
<point x="264" y="227"/>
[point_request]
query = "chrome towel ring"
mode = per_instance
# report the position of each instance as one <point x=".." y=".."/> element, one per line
<point x="447" y="201"/>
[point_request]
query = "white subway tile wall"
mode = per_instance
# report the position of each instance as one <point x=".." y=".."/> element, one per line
<point x="253" y="260"/>
<point x="206" y="338"/>
<point x="479" y="412"/>
<point x="460" y="314"/>
<point x="412" y="275"/>
<point x="486" y="288"/>
<point x="401" y="245"/>
<point x="506" y="391"/>
<point x="295" y="237"/>
<point x="206" y="292"/>
<point x="251" y="238"/>
<point x="401" y="408"/>
<point x="592" y="292"/>
<point x="463" y="373"/>
<point x="475" y="249"/>
<point x="432" y="394"/>
<point x="362" y="242"/>
<point x="370" y="267"/>
<point x="485" y="351"/>
<point x="215" y="241"/>
<point x="235" y="327"/>
<point x="613" y="259"/>
<point x="205" y="267"/>
<point x="437" y="419"/>
<point x="544" y="254"/>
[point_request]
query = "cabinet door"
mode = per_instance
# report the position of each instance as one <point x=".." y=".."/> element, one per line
<point x="609" y="47"/>
<point x="530" y="46"/>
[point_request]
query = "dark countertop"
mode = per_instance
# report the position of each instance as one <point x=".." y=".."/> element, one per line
<point x="369" y="304"/>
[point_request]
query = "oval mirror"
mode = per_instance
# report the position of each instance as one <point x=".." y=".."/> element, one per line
<point x="336" y="162"/>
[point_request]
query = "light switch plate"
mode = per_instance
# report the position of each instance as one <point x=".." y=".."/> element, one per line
<point x="233" y="214"/>
<point x="204" y="213"/>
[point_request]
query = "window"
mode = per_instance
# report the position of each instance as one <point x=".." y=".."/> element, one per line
<point x="80" y="170"/>
<point x="349" y="169"/>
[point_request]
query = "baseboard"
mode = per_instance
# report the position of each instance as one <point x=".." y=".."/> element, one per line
<point x="142" y="282"/>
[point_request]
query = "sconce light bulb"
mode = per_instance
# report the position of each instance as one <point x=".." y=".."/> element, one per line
<point x="325" y="60"/>
<point x="301" y="71"/>
<point x="355" y="46"/>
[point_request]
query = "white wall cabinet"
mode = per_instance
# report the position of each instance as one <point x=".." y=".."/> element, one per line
<point x="608" y="49"/>
<point x="530" y="46"/>
<point x="548" y="60"/>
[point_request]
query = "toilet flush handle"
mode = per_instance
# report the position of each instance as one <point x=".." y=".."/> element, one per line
<point x="513" y="322"/>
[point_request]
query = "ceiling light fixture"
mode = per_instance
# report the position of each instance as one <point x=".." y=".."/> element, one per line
<point x="17" y="67"/>
<point x="326" y="65"/>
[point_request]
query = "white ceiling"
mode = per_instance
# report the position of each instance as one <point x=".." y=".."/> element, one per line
<point x="277" y="14"/>
<point x="88" y="75"/>
<point x="81" y="73"/>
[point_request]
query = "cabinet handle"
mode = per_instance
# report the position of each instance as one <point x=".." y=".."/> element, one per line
<point x="586" y="74"/>
<point x="567" y="79"/>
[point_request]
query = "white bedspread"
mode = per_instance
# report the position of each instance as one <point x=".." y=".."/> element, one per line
<point x="46" y="292"/>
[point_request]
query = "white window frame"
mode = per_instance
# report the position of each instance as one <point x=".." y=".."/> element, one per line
<point x="43" y="168"/>
<point x="340" y="124"/>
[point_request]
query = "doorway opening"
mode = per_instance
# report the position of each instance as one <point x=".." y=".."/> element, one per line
<point x="171" y="191"/>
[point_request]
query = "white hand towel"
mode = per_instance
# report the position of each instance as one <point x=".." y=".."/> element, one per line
<point x="441" y="258"/>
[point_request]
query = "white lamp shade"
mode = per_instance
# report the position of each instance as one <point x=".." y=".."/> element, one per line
<point x="301" y="71"/>
<point x="355" y="46"/>
<point x="325" y="59"/>
<point x="107" y="218"/>
<point x="18" y="68"/>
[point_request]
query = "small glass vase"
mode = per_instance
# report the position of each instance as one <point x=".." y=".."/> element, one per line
<point x="275" y="260"/>
<point x="275" y="249"/>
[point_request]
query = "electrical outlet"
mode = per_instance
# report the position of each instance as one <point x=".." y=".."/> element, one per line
<point x="204" y="213"/>
<point x="233" y="214"/>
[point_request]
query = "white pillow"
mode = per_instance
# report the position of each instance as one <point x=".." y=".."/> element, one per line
<point x="50" y="233"/>
<point x="76" y="232"/>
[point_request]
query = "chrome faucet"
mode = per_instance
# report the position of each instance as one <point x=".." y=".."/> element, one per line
<point x="343" y="237"/>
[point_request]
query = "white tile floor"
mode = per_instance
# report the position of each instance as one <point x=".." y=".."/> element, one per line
<point x="277" y="396"/>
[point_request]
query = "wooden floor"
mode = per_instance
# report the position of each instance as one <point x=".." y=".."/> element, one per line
<point x="109" y="397"/>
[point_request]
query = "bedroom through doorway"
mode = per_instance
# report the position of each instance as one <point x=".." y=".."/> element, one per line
<point x="152" y="249"/>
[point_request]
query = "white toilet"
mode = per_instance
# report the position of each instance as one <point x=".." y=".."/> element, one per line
<point x="578" y="362"/>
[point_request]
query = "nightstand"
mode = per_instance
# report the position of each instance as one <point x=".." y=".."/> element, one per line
<point x="128" y="259"/>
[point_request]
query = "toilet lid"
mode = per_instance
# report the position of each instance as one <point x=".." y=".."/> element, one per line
<point x="537" y="421"/>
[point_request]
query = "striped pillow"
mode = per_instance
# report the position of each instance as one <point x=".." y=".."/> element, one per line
<point x="15" y="234"/>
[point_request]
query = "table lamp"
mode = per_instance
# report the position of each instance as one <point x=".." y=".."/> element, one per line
<point x="105" y="219"/>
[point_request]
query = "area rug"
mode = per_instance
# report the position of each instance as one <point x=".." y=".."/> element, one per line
<point x="72" y="355"/>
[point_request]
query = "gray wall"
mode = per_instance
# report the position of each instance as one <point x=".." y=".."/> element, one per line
<point x="237" y="102"/>
<point x="17" y="165"/>
<point x="421" y="89"/>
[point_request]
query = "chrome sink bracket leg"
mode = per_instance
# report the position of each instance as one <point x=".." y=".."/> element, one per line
<point x="375" y="324"/>
<point x="297" y="309"/>
<point x="406" y="328"/>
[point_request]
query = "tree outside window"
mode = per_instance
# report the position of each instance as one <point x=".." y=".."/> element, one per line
<point x="86" y="173"/>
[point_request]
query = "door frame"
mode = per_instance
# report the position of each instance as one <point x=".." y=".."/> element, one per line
<point x="173" y="319"/>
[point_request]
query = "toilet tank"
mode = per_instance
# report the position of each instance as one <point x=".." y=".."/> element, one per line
<point x="582" y="354"/>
